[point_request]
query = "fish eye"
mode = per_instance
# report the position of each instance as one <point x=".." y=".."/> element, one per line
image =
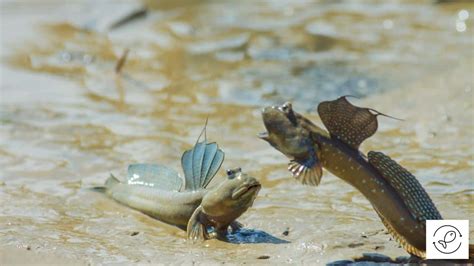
<point x="286" y="106"/>
<point x="232" y="173"/>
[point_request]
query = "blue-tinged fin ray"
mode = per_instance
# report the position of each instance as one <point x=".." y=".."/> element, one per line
<point x="214" y="167"/>
<point x="201" y="163"/>
<point x="209" y="154"/>
<point x="187" y="164"/>
<point x="198" y="156"/>
<point x="154" y="175"/>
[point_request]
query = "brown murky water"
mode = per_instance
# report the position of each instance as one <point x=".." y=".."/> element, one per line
<point x="67" y="120"/>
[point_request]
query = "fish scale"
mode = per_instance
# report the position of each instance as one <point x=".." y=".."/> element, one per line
<point x="417" y="200"/>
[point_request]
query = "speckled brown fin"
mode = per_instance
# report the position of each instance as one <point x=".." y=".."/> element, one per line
<point x="348" y="123"/>
<point x="407" y="186"/>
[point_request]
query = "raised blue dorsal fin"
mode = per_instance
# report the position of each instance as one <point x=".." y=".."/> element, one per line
<point x="198" y="156"/>
<point x="216" y="162"/>
<point x="187" y="164"/>
<point x="209" y="154"/>
<point x="154" y="175"/>
<point x="201" y="163"/>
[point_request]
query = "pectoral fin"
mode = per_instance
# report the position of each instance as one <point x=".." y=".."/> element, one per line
<point x="308" y="170"/>
<point x="196" y="230"/>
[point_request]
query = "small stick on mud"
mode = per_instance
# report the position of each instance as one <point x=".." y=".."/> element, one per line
<point x="135" y="12"/>
<point x="121" y="61"/>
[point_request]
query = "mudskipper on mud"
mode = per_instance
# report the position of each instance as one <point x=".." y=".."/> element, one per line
<point x="203" y="212"/>
<point x="396" y="195"/>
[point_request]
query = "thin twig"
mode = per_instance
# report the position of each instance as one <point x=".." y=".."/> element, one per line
<point x="121" y="61"/>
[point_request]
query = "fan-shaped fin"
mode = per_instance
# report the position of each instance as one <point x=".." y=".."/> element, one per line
<point x="195" y="229"/>
<point x="348" y="123"/>
<point x="187" y="165"/>
<point x="201" y="163"/>
<point x="214" y="166"/>
<point x="154" y="175"/>
<point x="211" y="150"/>
<point x="198" y="156"/>
<point x="407" y="186"/>
<point x="308" y="170"/>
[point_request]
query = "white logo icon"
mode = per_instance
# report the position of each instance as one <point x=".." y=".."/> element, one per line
<point x="447" y="239"/>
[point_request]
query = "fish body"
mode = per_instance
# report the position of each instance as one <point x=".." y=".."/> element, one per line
<point x="172" y="207"/>
<point x="395" y="194"/>
<point x="157" y="191"/>
<point x="354" y="168"/>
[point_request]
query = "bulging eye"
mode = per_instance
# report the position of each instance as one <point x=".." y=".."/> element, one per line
<point x="286" y="107"/>
<point x="231" y="173"/>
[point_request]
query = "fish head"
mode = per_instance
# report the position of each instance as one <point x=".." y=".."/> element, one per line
<point x="291" y="134"/>
<point x="232" y="197"/>
<point x="285" y="131"/>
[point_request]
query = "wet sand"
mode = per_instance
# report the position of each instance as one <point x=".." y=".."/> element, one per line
<point x="67" y="124"/>
<point x="18" y="256"/>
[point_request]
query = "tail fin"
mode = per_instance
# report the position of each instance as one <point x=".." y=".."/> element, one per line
<point x="201" y="163"/>
<point x="111" y="182"/>
<point x="443" y="243"/>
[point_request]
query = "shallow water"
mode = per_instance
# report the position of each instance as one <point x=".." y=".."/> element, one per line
<point x="68" y="120"/>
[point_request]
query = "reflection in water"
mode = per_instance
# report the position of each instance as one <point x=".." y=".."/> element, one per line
<point x="252" y="236"/>
<point x="67" y="119"/>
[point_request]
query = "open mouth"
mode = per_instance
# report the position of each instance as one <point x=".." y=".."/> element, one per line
<point x="246" y="190"/>
<point x="263" y="135"/>
<point x="254" y="186"/>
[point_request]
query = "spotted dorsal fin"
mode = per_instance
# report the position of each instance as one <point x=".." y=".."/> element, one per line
<point x="348" y="123"/>
<point x="414" y="196"/>
<point x="201" y="163"/>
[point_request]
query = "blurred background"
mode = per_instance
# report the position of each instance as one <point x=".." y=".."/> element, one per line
<point x="69" y="116"/>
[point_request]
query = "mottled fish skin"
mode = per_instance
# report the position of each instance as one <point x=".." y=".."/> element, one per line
<point x="171" y="207"/>
<point x="381" y="180"/>
<point x="156" y="190"/>
<point x="219" y="205"/>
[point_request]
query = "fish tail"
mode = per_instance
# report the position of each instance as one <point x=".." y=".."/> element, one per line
<point x="111" y="182"/>
<point x="443" y="243"/>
